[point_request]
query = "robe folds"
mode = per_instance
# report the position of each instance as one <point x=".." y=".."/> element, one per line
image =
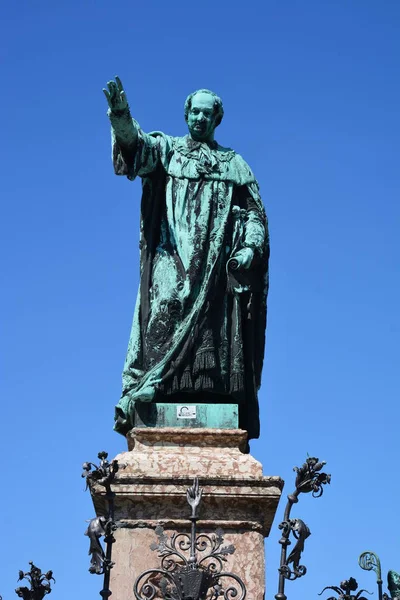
<point x="198" y="329"/>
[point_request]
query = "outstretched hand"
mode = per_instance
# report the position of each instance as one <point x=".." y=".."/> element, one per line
<point x="115" y="95"/>
<point x="125" y="130"/>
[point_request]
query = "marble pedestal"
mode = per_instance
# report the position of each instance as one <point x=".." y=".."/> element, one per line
<point x="160" y="465"/>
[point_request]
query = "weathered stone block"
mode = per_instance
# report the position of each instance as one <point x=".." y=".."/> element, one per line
<point x="151" y="490"/>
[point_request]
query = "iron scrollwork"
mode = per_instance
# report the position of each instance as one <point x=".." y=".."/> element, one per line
<point x="369" y="561"/>
<point x="103" y="526"/>
<point x="191" y="564"/>
<point x="309" y="479"/>
<point x="40" y="583"/>
<point x="344" y="590"/>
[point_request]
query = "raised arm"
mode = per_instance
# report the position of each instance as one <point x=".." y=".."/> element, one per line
<point x="134" y="152"/>
<point x="119" y="114"/>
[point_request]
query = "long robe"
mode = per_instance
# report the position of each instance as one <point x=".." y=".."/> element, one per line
<point x="199" y="325"/>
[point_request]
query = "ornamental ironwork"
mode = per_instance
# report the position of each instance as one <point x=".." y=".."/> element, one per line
<point x="369" y="561"/>
<point x="309" y="479"/>
<point x="344" y="590"/>
<point x="192" y="565"/>
<point x="40" y="583"/>
<point x="102" y="526"/>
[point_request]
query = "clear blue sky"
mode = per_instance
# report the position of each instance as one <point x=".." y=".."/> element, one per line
<point x="312" y="93"/>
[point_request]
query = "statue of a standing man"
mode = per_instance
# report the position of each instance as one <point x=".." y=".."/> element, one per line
<point x="198" y="330"/>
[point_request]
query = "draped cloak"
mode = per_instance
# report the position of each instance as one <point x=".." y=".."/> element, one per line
<point x="199" y="324"/>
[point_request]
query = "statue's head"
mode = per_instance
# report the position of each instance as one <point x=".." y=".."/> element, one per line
<point x="203" y="113"/>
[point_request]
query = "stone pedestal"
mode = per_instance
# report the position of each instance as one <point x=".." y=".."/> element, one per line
<point x="160" y="465"/>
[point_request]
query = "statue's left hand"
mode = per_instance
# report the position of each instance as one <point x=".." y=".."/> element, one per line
<point x="242" y="259"/>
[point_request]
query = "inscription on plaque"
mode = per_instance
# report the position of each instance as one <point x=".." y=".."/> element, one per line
<point x="186" y="412"/>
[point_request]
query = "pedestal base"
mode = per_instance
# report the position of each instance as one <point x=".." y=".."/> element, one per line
<point x="151" y="490"/>
<point x="203" y="415"/>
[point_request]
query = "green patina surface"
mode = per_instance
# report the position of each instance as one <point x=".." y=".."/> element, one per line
<point x="162" y="414"/>
<point x="394" y="584"/>
<point x="199" y="323"/>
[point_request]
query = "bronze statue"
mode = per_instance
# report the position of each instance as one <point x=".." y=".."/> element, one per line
<point x="198" y="330"/>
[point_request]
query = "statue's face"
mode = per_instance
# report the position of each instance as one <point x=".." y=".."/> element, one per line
<point x="201" y="117"/>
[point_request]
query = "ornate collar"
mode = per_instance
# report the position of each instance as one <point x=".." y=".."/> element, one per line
<point x="203" y="152"/>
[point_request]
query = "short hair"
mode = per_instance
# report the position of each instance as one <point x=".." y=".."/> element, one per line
<point x="218" y="106"/>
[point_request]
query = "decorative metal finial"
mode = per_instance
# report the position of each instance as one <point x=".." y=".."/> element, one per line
<point x="39" y="583"/>
<point x="309" y="479"/>
<point x="102" y="526"/>
<point x="191" y="564"/>
<point x="369" y="561"/>
<point x="103" y="474"/>
<point x="344" y="590"/>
